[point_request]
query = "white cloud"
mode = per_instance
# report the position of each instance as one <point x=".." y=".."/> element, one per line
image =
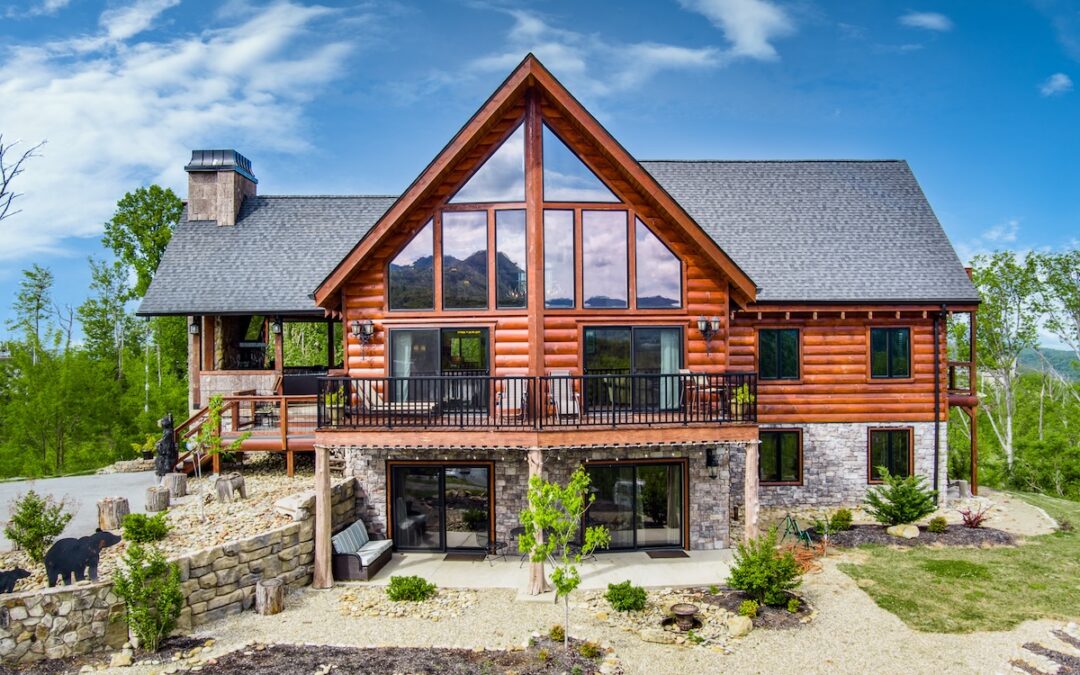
<point x="1003" y="232"/>
<point x="119" y="112"/>
<point x="750" y="25"/>
<point x="927" y="21"/>
<point x="1056" y="84"/>
<point x="43" y="8"/>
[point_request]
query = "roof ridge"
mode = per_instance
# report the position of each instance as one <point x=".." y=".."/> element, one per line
<point x="775" y="161"/>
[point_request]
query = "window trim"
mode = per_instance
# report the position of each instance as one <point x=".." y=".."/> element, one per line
<point x="911" y="451"/>
<point x="870" y="377"/>
<point x="798" y="355"/>
<point x="799" y="433"/>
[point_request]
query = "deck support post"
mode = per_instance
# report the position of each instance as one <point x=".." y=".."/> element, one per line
<point x="538" y="583"/>
<point x="322" y="575"/>
<point x="750" y="490"/>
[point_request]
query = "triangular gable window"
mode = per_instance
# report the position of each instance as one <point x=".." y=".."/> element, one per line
<point x="501" y="178"/>
<point x="566" y="178"/>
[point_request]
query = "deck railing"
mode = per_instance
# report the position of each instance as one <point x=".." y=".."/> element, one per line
<point x="522" y="402"/>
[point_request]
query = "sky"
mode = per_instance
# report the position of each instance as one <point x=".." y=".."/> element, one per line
<point x="981" y="98"/>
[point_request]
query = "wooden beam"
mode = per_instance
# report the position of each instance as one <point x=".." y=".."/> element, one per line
<point x="534" y="230"/>
<point x="323" y="576"/>
<point x="538" y="583"/>
<point x="750" y="490"/>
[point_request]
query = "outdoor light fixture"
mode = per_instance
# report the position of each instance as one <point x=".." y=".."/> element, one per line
<point x="193" y="327"/>
<point x="275" y="326"/>
<point x="363" y="331"/>
<point x="712" y="462"/>
<point x="708" y="328"/>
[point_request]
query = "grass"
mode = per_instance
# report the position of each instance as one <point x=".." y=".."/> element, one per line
<point x="962" y="590"/>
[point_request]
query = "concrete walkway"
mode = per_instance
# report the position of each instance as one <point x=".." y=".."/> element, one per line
<point x="701" y="568"/>
<point x="82" y="494"/>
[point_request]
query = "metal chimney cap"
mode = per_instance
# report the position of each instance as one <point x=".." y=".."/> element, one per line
<point x="221" y="160"/>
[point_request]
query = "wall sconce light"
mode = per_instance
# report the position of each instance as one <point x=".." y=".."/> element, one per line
<point x="712" y="462"/>
<point x="363" y="331"/>
<point x="193" y="327"/>
<point x="709" y="328"/>
<point x="275" y="326"/>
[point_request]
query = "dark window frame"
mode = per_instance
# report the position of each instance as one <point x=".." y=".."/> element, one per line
<point x="637" y="278"/>
<point x="494" y="225"/>
<point x="890" y="375"/>
<point x="574" y="253"/>
<point x="631" y="251"/>
<point x="779" y="454"/>
<point x="798" y="355"/>
<point x="910" y="434"/>
<point x="435" y="283"/>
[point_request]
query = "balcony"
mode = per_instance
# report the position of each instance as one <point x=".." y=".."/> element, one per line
<point x="524" y="403"/>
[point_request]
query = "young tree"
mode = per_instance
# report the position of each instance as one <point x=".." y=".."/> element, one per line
<point x="551" y="523"/>
<point x="1060" y="296"/>
<point x="32" y="305"/>
<point x="1008" y="324"/>
<point x="11" y="165"/>
<point x="140" y="229"/>
<point x="104" y="316"/>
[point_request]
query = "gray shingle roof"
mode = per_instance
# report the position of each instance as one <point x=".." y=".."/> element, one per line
<point x="270" y="262"/>
<point x="821" y="231"/>
<point x="804" y="231"/>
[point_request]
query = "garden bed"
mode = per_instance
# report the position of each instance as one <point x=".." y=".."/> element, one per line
<point x="955" y="535"/>
<point x="768" y="617"/>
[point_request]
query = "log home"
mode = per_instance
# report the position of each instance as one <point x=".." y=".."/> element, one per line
<point x="538" y="299"/>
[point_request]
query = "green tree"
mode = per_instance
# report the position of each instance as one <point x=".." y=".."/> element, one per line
<point x="141" y="228"/>
<point x="107" y="325"/>
<point x="551" y="523"/>
<point x="32" y="306"/>
<point x="1061" y="296"/>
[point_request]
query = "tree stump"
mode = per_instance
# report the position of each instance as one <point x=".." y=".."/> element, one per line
<point x="111" y="512"/>
<point x="230" y="488"/>
<point x="269" y="596"/>
<point x="157" y="499"/>
<point x="176" y="483"/>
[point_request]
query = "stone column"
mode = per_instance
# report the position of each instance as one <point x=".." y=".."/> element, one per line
<point x="322" y="574"/>
<point x="750" y="490"/>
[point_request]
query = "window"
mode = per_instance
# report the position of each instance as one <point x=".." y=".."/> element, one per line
<point x="511" y="277"/>
<point x="566" y="178"/>
<point x="780" y="459"/>
<point x="778" y="354"/>
<point x="559" y="259"/>
<point x="619" y="351"/>
<point x="890" y="353"/>
<point x="659" y="271"/>
<point x="604" y="255"/>
<point x="501" y="178"/>
<point x="465" y="260"/>
<point x="412" y="273"/>
<point x="891" y="449"/>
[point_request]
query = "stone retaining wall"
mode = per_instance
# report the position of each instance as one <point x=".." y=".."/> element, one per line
<point x="217" y="581"/>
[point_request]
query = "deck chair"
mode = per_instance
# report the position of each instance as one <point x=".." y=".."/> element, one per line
<point x="700" y="394"/>
<point x="372" y="402"/>
<point x="513" y="401"/>
<point x="562" y="395"/>
<point x="791" y="527"/>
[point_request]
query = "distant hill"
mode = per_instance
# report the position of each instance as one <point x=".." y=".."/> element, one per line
<point x="1062" y="360"/>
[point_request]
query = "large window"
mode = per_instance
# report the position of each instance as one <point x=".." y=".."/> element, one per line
<point x="566" y="178"/>
<point x="889" y="449"/>
<point x="604" y="259"/>
<point x="778" y="354"/>
<point x="511" y="264"/>
<point x="559" y="259"/>
<point x="412" y="273"/>
<point x="501" y="178"/>
<point x="614" y="354"/>
<point x="639" y="504"/>
<point x="434" y="354"/>
<point x="465" y="259"/>
<point x="780" y="458"/>
<point x="890" y="353"/>
<point x="659" y="271"/>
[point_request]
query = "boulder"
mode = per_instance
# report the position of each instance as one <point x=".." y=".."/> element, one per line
<point x="657" y="636"/>
<point x="906" y="531"/>
<point x="739" y="626"/>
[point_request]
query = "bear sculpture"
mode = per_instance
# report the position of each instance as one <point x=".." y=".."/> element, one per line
<point x="167" y="453"/>
<point x="8" y="579"/>
<point x="72" y="556"/>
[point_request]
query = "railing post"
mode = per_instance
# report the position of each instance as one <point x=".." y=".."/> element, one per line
<point x="289" y="468"/>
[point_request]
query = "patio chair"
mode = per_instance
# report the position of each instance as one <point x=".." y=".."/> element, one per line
<point x="562" y="395"/>
<point x="512" y="403"/>
<point x="701" y="394"/>
<point x="373" y="404"/>
<point x="357" y="557"/>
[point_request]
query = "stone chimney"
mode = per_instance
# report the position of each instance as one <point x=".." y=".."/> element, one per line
<point x="218" y="182"/>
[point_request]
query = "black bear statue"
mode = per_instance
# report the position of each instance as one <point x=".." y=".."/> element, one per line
<point x="167" y="452"/>
<point x="72" y="556"/>
<point x="8" y="579"/>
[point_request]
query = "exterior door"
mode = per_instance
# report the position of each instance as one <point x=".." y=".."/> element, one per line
<point x="641" y="505"/>
<point x="441" y="507"/>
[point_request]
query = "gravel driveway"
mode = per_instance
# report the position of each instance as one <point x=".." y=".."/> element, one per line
<point x="83" y="493"/>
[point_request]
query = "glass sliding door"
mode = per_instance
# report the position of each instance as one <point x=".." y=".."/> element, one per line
<point x="435" y="355"/>
<point x="417" y="507"/>
<point x="467" y="500"/>
<point x="641" y="505"/>
<point x="612" y="353"/>
<point x="439" y="507"/>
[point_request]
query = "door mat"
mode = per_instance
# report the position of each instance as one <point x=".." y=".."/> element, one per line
<point x="667" y="553"/>
<point x="465" y="557"/>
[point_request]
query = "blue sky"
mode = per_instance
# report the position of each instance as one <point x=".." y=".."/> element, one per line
<point x="358" y="97"/>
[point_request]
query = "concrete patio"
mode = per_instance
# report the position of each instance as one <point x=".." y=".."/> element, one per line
<point x="701" y="568"/>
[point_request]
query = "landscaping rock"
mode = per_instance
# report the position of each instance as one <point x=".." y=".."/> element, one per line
<point x="739" y="626"/>
<point x="658" y="636"/>
<point x="904" y="531"/>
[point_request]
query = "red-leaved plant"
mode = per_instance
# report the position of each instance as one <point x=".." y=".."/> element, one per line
<point x="975" y="518"/>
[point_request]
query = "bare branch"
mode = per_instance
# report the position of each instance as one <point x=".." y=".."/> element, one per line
<point x="8" y="172"/>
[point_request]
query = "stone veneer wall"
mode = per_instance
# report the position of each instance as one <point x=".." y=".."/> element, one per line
<point x="217" y="581"/>
<point x="835" y="465"/>
<point x="709" y="498"/>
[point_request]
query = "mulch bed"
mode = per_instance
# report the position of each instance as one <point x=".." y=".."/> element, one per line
<point x="955" y="535"/>
<point x="767" y="616"/>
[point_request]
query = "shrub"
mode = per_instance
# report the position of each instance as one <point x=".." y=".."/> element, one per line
<point x="841" y="520"/>
<point x="149" y="585"/>
<point x="410" y="589"/>
<point x="714" y="590"/>
<point x="974" y="518"/>
<point x="900" y="500"/>
<point x="35" y="523"/>
<point x="577" y="670"/>
<point x="1065" y="525"/>
<point x="589" y="650"/>
<point x="557" y="633"/>
<point x="143" y="529"/>
<point x="693" y="637"/>
<point x="626" y="597"/>
<point x="764" y="572"/>
<point x="748" y="608"/>
<point x="543" y="655"/>
<point x="793" y="605"/>
<point x="938" y="525"/>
